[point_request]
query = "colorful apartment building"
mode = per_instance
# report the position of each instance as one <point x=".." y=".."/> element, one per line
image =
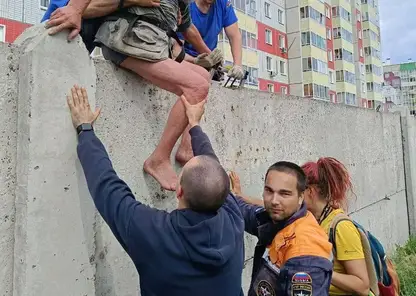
<point x="402" y="77"/>
<point x="327" y="50"/>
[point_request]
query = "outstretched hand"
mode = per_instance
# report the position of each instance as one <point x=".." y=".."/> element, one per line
<point x="80" y="107"/>
<point x="235" y="183"/>
<point x="194" y="112"/>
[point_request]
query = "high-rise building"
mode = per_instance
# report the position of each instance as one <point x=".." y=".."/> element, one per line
<point x="402" y="77"/>
<point x="327" y="50"/>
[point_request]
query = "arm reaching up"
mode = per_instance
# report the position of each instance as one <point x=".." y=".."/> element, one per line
<point x="236" y="189"/>
<point x="200" y="141"/>
<point x="128" y="219"/>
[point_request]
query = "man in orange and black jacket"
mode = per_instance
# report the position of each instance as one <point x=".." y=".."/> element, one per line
<point x="293" y="256"/>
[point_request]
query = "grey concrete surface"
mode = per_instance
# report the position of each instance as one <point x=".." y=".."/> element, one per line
<point x="54" y="237"/>
<point x="250" y="131"/>
<point x="62" y="247"/>
<point x="408" y="125"/>
<point x="8" y="118"/>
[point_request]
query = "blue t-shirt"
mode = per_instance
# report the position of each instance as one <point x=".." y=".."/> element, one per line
<point x="53" y="5"/>
<point x="220" y="15"/>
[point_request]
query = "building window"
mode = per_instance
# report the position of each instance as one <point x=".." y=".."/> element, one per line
<point x="268" y="36"/>
<point x="360" y="34"/>
<point x="332" y="98"/>
<point x="331" y="77"/>
<point x="361" y="52"/>
<point x="280" y="16"/>
<point x="282" y="41"/>
<point x="363" y="87"/>
<point x="308" y="38"/>
<point x="283" y="90"/>
<point x="330" y="57"/>
<point x="269" y="63"/>
<point x="252" y="78"/>
<point x="328" y="34"/>
<point x="44" y="4"/>
<point x="308" y="90"/>
<point x="327" y="12"/>
<point x="2" y="33"/>
<point x="270" y="87"/>
<point x="309" y="11"/>
<point x="282" y="68"/>
<point x="267" y="9"/>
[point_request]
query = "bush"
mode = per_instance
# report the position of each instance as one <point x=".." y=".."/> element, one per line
<point x="405" y="261"/>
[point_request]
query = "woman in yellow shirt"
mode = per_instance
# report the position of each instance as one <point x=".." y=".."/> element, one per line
<point x="328" y="186"/>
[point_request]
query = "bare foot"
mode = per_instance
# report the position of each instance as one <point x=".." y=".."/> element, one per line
<point x="183" y="155"/>
<point x="162" y="171"/>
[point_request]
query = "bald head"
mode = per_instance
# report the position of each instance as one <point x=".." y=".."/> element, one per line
<point x="205" y="184"/>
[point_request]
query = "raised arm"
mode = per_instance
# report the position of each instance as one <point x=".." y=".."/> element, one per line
<point x="200" y="141"/>
<point x="111" y="195"/>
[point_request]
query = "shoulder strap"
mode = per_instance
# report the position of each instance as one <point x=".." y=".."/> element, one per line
<point x="332" y="230"/>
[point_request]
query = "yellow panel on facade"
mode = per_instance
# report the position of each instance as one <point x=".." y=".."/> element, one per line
<point x="373" y="60"/>
<point x="250" y="57"/>
<point x="341" y="43"/>
<point x="316" y="4"/>
<point x="371" y="26"/>
<point x="313" y="51"/>
<point x="314" y="77"/>
<point x="346" y="25"/>
<point x="346" y="5"/>
<point x="317" y="28"/>
<point x="307" y="77"/>
<point x="246" y="22"/>
<point x="346" y="66"/>
<point x="346" y="87"/>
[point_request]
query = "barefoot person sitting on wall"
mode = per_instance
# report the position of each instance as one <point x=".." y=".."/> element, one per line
<point x="137" y="39"/>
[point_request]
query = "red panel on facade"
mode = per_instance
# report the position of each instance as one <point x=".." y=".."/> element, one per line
<point x="13" y="29"/>
<point x="360" y="41"/>
<point x="330" y="42"/>
<point x="274" y="48"/>
<point x="277" y="85"/>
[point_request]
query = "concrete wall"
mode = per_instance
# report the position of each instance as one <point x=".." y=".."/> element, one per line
<point x="8" y="126"/>
<point x="58" y="237"/>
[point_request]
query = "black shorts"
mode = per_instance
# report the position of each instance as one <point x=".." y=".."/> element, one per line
<point x="111" y="55"/>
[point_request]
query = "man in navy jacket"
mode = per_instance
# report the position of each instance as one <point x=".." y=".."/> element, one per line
<point x="197" y="249"/>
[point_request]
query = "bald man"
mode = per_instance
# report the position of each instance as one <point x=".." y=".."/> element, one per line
<point x="197" y="249"/>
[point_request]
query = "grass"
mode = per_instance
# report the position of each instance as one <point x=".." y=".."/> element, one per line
<point x="405" y="261"/>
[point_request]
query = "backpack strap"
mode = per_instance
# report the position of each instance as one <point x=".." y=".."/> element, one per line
<point x="332" y="230"/>
<point x="366" y="249"/>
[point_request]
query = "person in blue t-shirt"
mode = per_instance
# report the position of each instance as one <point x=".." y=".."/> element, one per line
<point x="210" y="17"/>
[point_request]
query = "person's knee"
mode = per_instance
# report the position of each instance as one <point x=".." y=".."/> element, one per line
<point x="204" y="73"/>
<point x="197" y="90"/>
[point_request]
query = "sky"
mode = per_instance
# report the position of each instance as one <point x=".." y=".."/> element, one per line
<point x="398" y="29"/>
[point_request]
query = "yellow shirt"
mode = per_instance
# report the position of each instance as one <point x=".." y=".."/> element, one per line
<point x="348" y="245"/>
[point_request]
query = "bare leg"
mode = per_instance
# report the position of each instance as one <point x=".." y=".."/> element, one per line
<point x="179" y="79"/>
<point x="185" y="153"/>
